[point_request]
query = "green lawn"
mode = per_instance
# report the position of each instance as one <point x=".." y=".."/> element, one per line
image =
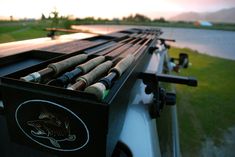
<point x="22" y="30"/>
<point x="14" y="31"/>
<point x="208" y="110"/>
<point x="21" y="34"/>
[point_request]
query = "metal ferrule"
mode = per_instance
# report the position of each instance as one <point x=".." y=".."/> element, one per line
<point x="34" y="77"/>
<point x="70" y="88"/>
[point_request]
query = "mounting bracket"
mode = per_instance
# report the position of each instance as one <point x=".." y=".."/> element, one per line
<point x="160" y="96"/>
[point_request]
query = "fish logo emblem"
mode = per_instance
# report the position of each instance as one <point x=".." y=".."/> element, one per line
<point x="52" y="125"/>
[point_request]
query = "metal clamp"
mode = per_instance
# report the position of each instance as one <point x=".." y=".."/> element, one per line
<point x="183" y="60"/>
<point x="160" y="96"/>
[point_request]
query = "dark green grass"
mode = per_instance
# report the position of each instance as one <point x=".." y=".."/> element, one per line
<point x="21" y="34"/>
<point x="7" y="29"/>
<point x="15" y="31"/>
<point x="20" y="30"/>
<point x="208" y="110"/>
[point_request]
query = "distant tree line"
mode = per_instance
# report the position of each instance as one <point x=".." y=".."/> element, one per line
<point x="137" y="18"/>
<point x="67" y="21"/>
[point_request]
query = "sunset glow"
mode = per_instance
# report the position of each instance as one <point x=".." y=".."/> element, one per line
<point x="108" y="8"/>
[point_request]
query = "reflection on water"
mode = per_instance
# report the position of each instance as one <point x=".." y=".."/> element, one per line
<point x="212" y="42"/>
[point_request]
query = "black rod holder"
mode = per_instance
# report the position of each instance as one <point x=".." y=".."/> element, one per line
<point x="190" y="81"/>
<point x="160" y="96"/>
<point x="170" y="40"/>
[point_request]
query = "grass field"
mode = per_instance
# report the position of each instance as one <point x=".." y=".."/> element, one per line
<point x="22" y="30"/>
<point x="14" y="31"/>
<point x="207" y="111"/>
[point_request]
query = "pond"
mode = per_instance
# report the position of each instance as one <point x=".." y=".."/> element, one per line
<point x="212" y="42"/>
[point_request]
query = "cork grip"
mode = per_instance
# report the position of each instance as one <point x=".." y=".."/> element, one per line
<point x="61" y="66"/>
<point x="123" y="64"/>
<point x="96" y="73"/>
<point x="96" y="89"/>
<point x="91" y="64"/>
<point x="99" y="88"/>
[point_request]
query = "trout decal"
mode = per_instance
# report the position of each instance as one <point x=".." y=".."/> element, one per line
<point x="48" y="126"/>
<point x="51" y="125"/>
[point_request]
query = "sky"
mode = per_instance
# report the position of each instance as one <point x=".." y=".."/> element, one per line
<point x="108" y="8"/>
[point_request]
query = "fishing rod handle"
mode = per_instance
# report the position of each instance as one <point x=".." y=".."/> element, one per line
<point x="122" y="65"/>
<point x="97" y="72"/>
<point x="99" y="88"/>
<point x="70" y="76"/>
<point x="85" y="67"/>
<point x="96" y="89"/>
<point x="61" y="66"/>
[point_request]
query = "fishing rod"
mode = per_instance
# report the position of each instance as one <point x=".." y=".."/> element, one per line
<point x="121" y="44"/>
<point x="98" y="89"/>
<point x="110" y="45"/>
<point x="134" y="47"/>
<point x="83" y="81"/>
<point x="69" y="77"/>
<point x="127" y="46"/>
<point x="87" y="79"/>
<point x="54" y="69"/>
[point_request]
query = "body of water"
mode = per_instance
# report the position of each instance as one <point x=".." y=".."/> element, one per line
<point x="212" y="42"/>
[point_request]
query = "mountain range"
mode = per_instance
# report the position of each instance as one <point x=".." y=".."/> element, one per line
<point x="224" y="15"/>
